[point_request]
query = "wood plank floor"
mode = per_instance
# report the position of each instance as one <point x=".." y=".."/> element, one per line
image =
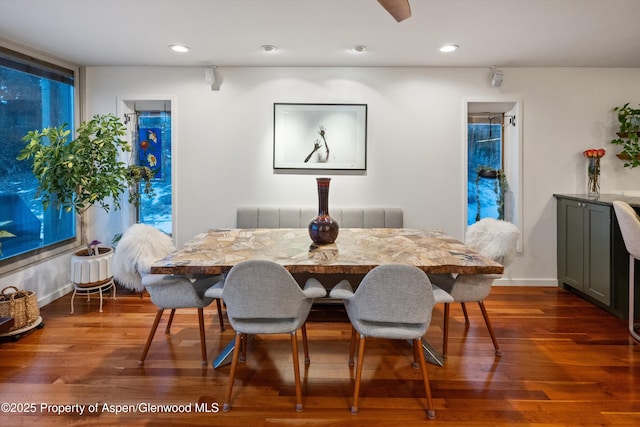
<point x="564" y="363"/>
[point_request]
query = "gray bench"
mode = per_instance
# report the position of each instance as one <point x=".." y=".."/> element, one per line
<point x="290" y="217"/>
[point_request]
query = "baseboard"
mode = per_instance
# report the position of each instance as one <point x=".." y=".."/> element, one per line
<point x="52" y="296"/>
<point x="526" y="282"/>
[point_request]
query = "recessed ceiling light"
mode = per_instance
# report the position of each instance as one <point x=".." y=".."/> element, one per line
<point x="359" y="48"/>
<point x="269" y="48"/>
<point x="179" y="48"/>
<point x="449" y="48"/>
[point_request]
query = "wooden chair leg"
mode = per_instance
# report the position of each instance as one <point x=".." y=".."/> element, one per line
<point x="490" y="328"/>
<point x="431" y="413"/>
<point x="296" y="370"/>
<point x="203" y="342"/>
<point x="232" y="373"/>
<point x="220" y="316"/>
<point x="243" y="348"/>
<point x="445" y="329"/>
<point x="152" y="332"/>
<point x="466" y="315"/>
<point x="416" y="355"/>
<point x="305" y="344"/>
<point x="168" y="328"/>
<point x="356" y="391"/>
<point x="352" y="346"/>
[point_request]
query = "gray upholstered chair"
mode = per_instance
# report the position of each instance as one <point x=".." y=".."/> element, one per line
<point x="392" y="301"/>
<point x="140" y="246"/>
<point x="630" y="228"/>
<point x="262" y="297"/>
<point x="494" y="239"/>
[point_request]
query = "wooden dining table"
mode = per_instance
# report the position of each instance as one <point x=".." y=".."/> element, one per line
<point x="356" y="251"/>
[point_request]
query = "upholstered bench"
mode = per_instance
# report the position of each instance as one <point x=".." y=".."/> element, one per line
<point x="291" y="217"/>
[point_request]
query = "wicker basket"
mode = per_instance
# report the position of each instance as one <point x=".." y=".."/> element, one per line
<point x="22" y="305"/>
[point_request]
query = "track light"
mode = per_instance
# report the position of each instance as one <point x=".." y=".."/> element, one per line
<point x="496" y="77"/>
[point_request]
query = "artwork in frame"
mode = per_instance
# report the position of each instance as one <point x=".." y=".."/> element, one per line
<point x="320" y="136"/>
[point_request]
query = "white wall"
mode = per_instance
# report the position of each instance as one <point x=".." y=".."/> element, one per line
<point x="223" y="145"/>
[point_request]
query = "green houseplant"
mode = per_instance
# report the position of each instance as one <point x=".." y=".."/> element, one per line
<point x="500" y="187"/>
<point x="138" y="174"/>
<point x="79" y="173"/>
<point x="628" y="135"/>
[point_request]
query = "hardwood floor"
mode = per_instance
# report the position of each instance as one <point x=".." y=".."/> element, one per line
<point x="564" y="363"/>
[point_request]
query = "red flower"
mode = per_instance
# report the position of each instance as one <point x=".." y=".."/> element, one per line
<point x="594" y="152"/>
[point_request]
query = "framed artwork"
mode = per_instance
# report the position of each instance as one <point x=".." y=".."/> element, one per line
<point x="150" y="149"/>
<point x="320" y="136"/>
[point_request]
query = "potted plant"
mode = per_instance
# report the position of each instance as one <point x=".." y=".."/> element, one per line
<point x="136" y="175"/>
<point x="80" y="173"/>
<point x="628" y="135"/>
<point x="500" y="187"/>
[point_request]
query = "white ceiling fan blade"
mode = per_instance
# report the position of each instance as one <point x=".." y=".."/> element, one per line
<point x="399" y="9"/>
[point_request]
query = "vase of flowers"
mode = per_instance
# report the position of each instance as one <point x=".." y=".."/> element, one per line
<point x="593" y="170"/>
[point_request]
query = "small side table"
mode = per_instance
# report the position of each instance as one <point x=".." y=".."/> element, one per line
<point x="96" y="287"/>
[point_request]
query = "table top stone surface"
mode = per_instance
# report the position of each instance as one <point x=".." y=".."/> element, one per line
<point x="355" y="251"/>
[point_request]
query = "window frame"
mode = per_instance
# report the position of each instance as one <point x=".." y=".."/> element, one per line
<point x="10" y="265"/>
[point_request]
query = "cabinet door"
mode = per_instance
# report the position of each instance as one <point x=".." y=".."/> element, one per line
<point x="571" y="243"/>
<point x="597" y="252"/>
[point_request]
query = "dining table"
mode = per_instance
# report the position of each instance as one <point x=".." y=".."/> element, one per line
<point x="356" y="251"/>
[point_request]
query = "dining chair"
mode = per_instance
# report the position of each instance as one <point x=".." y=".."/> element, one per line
<point x="393" y="301"/>
<point x="262" y="297"/>
<point x="494" y="239"/>
<point x="630" y="228"/>
<point x="140" y="246"/>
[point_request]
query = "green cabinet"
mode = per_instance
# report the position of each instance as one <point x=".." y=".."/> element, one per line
<point x="584" y="248"/>
<point x="592" y="259"/>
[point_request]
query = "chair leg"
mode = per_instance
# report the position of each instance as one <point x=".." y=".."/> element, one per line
<point x="220" y="317"/>
<point x="466" y="315"/>
<point x="490" y="328"/>
<point x="232" y="373"/>
<point x="352" y="346"/>
<point x="416" y="354"/>
<point x="356" y="391"/>
<point x="431" y="413"/>
<point x="243" y="348"/>
<point x="305" y="344"/>
<point x="445" y="328"/>
<point x="203" y="342"/>
<point x="632" y="315"/>
<point x="296" y="370"/>
<point x="152" y="332"/>
<point x="168" y="328"/>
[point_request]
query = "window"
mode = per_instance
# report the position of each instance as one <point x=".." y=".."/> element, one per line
<point x="494" y="161"/>
<point x="33" y="95"/>
<point x="485" y="167"/>
<point x="154" y="151"/>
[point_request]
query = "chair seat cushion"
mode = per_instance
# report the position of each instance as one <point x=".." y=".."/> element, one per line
<point x="266" y="326"/>
<point x="403" y="331"/>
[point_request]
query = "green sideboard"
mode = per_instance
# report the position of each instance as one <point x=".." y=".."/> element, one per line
<point x="592" y="259"/>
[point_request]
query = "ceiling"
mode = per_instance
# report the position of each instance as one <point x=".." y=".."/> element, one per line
<point x="506" y="33"/>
